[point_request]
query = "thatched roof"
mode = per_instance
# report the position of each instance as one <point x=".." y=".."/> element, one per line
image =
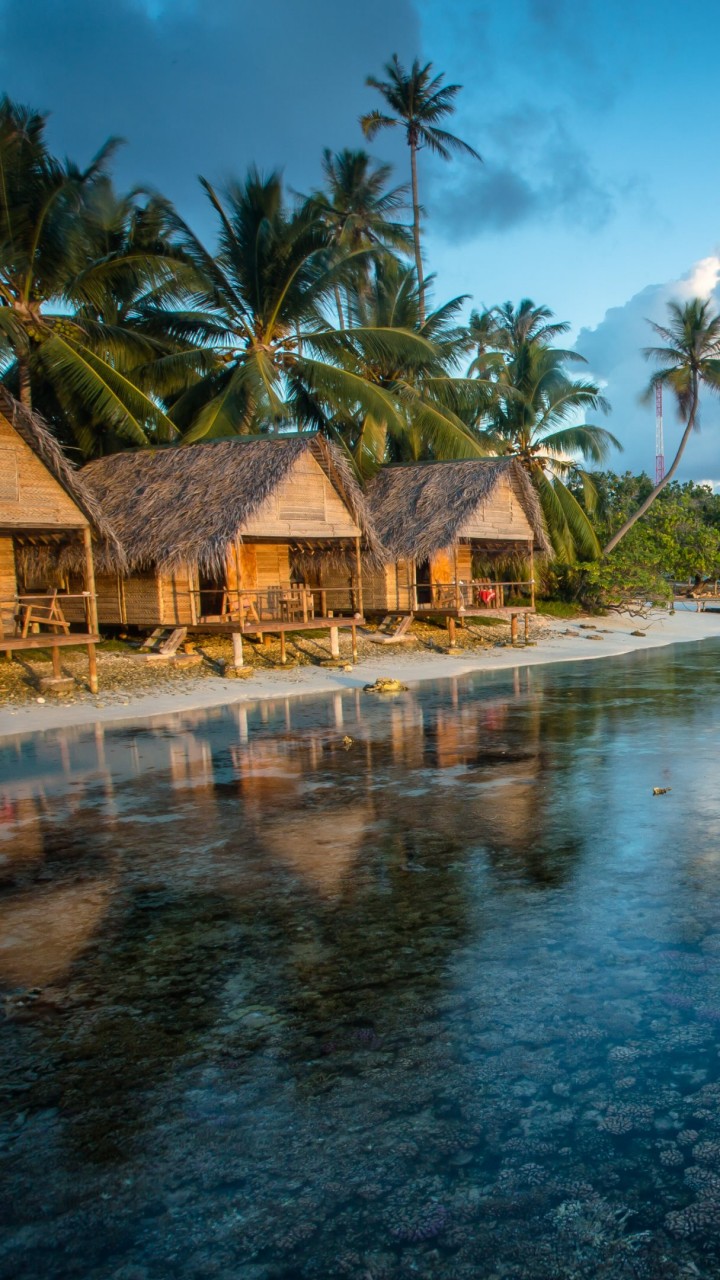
<point x="38" y="437"/>
<point x="420" y="509"/>
<point x="184" y="504"/>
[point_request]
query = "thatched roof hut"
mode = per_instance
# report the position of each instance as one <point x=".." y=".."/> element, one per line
<point x="38" y="505"/>
<point x="184" y="505"/>
<point x="424" y="508"/>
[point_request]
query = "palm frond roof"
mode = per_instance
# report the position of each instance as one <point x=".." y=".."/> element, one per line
<point x="184" y="504"/>
<point x="421" y="508"/>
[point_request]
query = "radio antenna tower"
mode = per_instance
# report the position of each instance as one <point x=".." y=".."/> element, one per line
<point x="659" y="446"/>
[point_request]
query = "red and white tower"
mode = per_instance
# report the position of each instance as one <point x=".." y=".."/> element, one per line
<point x="659" y="445"/>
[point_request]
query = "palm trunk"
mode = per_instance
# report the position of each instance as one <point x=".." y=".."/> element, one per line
<point x="338" y="304"/>
<point x="24" y="385"/>
<point x="416" y="229"/>
<point x="666" y="479"/>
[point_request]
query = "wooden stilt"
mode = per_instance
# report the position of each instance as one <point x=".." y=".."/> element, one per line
<point x="57" y="672"/>
<point x="527" y="627"/>
<point x="282" y="647"/>
<point x="353" y="630"/>
<point x="335" y="642"/>
<point x="451" y="631"/>
<point x="358" y="584"/>
<point x="92" y="613"/>
<point x="237" y="650"/>
<point x="513" y="628"/>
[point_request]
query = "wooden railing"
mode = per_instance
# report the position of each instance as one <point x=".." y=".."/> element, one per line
<point x="290" y="603"/>
<point x="45" y="611"/>
<point x="477" y="595"/>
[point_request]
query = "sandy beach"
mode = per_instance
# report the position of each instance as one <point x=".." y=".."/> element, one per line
<point x="558" y="641"/>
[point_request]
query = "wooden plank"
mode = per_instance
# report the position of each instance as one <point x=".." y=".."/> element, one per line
<point x="11" y="643"/>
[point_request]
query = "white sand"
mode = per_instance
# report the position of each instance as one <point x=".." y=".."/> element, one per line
<point x="658" y="629"/>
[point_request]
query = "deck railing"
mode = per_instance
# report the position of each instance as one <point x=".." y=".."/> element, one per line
<point x="289" y="603"/>
<point x="45" y="611"/>
<point x="479" y="595"/>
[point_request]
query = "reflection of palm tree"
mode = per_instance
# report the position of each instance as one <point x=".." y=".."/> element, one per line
<point x="690" y="360"/>
<point x="418" y="101"/>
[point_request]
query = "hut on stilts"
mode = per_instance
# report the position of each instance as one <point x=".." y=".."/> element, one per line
<point x="234" y="536"/>
<point x="47" y="518"/>
<point x="460" y="539"/>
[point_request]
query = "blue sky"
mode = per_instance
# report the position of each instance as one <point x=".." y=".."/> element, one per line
<point x="600" y="191"/>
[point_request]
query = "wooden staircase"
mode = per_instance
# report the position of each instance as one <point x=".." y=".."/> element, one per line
<point x="394" y="629"/>
<point x="164" y="642"/>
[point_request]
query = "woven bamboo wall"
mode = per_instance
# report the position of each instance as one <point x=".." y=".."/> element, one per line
<point x="389" y="588"/>
<point x="30" y="497"/>
<point x="174" y="593"/>
<point x="142" y="599"/>
<point x="305" y="505"/>
<point x="502" y="515"/>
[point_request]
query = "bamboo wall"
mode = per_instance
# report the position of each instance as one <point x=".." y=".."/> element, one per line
<point x="8" y="584"/>
<point x="305" y="505"/>
<point x="30" y="496"/>
<point x="388" y="589"/>
<point x="501" y="516"/>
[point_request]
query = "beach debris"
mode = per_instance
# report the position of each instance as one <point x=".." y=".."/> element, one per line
<point x="347" y="742"/>
<point x="638" y="633"/>
<point x="384" y="684"/>
<point x="661" y="791"/>
<point x="594" y="636"/>
<point x="347" y="666"/>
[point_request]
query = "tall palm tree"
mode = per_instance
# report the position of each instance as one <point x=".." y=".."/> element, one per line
<point x="53" y="273"/>
<point x="418" y="101"/>
<point x="262" y="307"/>
<point x="534" y="418"/>
<point x="358" y="208"/>
<point x="689" y="361"/>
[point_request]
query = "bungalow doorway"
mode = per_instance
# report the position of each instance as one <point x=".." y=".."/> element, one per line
<point x="212" y="594"/>
<point x="423" y="583"/>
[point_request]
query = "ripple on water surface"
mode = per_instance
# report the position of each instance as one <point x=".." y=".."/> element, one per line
<point x="441" y="1000"/>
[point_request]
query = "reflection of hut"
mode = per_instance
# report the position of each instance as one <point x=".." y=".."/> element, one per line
<point x="45" y="516"/>
<point x="452" y="530"/>
<point x="234" y="536"/>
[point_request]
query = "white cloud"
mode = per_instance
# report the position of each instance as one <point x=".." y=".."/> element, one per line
<point x="613" y="350"/>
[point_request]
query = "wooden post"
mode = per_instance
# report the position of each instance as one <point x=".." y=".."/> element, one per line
<point x="90" y="581"/>
<point x="353" y="630"/>
<point x="358" y="576"/>
<point x="335" y="642"/>
<point x="237" y="649"/>
<point x="513" y="628"/>
<point x="532" y="577"/>
<point x="56" y="662"/>
<point x="451" y="631"/>
<point x="456" y="571"/>
<point x="527" y="627"/>
<point x="414" y="595"/>
<point x="282" y="647"/>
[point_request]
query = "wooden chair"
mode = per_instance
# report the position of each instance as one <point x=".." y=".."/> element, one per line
<point x="41" y="611"/>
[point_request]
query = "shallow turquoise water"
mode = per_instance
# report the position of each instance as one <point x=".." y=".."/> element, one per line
<point x="417" y="986"/>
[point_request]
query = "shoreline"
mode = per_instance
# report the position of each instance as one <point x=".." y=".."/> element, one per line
<point x="598" y="638"/>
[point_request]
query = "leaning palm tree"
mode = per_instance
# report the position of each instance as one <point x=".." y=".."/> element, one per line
<point x="689" y="361"/>
<point x="55" y="341"/>
<point x="418" y="101"/>
<point x="535" y="420"/>
<point x="358" y="208"/>
<point x="262" y="307"/>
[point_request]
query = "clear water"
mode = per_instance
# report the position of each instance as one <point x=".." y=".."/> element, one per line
<point x="443" y="1000"/>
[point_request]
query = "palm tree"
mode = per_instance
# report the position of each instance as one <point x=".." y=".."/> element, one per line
<point x="690" y="360"/>
<point x="534" y="415"/>
<point x="418" y="101"/>
<point x="425" y="385"/>
<point x="357" y="208"/>
<point x="54" y="339"/>
<point x="261" y="307"/>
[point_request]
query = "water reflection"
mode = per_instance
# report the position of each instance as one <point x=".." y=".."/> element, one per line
<point x="355" y="987"/>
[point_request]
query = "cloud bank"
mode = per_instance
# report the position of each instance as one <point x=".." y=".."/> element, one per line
<point x="613" y="350"/>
